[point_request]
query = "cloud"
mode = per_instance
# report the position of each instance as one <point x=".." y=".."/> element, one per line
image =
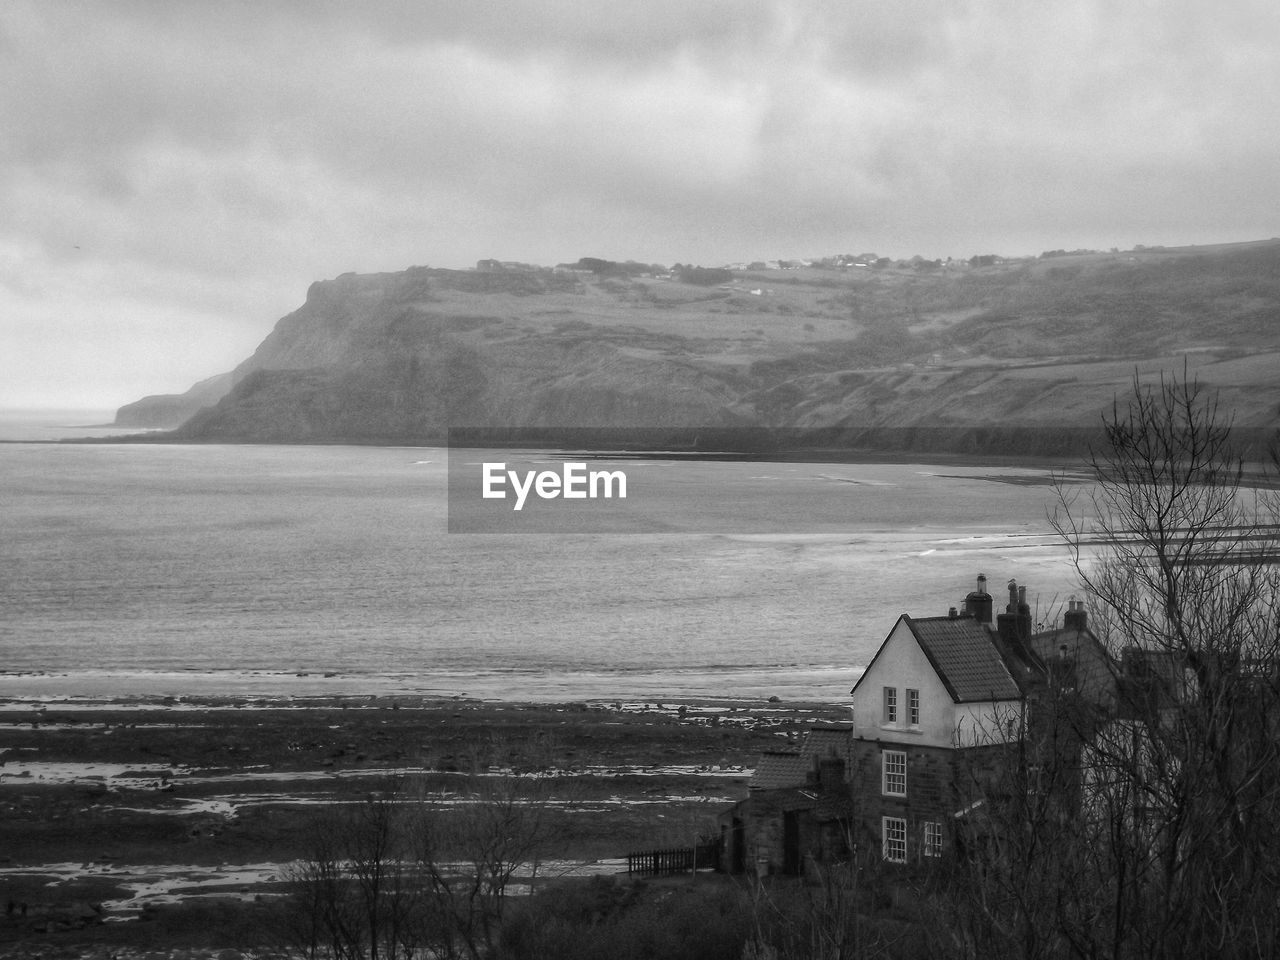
<point x="212" y="159"/>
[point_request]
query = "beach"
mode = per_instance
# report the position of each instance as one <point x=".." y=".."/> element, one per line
<point x="174" y="824"/>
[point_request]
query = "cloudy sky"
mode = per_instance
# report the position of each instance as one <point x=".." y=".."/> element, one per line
<point x="174" y="174"/>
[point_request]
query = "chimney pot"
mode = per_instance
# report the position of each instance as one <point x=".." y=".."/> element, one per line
<point x="978" y="603"/>
<point x="1076" y="618"/>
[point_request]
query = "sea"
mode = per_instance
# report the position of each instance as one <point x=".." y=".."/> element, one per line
<point x="132" y="570"/>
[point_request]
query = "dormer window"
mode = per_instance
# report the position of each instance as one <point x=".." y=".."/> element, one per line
<point x="890" y="704"/>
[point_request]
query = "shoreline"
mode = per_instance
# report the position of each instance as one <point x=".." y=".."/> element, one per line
<point x="800" y="454"/>
<point x="795" y="683"/>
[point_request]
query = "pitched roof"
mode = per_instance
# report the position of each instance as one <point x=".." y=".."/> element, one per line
<point x="794" y="768"/>
<point x="829" y="741"/>
<point x="776" y="769"/>
<point x="965" y="657"/>
<point x="1095" y="670"/>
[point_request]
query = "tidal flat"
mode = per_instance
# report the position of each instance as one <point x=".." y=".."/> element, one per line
<point x="170" y="826"/>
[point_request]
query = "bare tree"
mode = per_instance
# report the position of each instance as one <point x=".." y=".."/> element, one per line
<point x="360" y="893"/>
<point x="1021" y="873"/>
<point x="470" y="848"/>
<point x="1148" y="828"/>
<point x="1176" y="548"/>
<point x="407" y="872"/>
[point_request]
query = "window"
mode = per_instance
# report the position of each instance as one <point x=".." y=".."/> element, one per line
<point x="893" y="833"/>
<point x="894" y="779"/>
<point x="932" y="839"/>
<point x="913" y="707"/>
<point x="890" y="704"/>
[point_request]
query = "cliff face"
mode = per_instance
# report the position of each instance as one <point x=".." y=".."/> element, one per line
<point x="168" y="410"/>
<point x="942" y="358"/>
<point x="403" y="357"/>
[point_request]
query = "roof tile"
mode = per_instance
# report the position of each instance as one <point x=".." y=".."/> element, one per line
<point x="966" y="657"/>
<point x="777" y="770"/>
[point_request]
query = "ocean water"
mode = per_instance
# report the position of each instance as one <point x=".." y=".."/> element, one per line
<point x="45" y="425"/>
<point x="268" y="570"/>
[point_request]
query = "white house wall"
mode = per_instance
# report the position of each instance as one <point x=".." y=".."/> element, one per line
<point x="984" y="723"/>
<point x="902" y="664"/>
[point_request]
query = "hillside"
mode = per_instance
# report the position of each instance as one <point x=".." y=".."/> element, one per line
<point x="168" y="410"/>
<point x="1022" y="354"/>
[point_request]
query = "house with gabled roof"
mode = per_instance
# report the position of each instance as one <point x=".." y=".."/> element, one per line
<point x="930" y="715"/>
<point x="1077" y="661"/>
<point x="941" y="681"/>
<point x="937" y="695"/>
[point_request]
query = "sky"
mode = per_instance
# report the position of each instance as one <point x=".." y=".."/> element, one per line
<point x="173" y="175"/>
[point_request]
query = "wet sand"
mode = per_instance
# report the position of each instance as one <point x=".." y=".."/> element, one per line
<point x="165" y="824"/>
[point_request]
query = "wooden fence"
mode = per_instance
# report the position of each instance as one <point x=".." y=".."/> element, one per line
<point x="675" y="860"/>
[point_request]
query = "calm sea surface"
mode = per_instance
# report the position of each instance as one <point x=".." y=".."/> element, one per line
<point x="190" y="569"/>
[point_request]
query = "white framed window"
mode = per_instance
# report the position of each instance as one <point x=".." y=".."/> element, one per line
<point x="890" y="704"/>
<point x="893" y="779"/>
<point x="913" y="707"/>
<point x="932" y="839"/>
<point x="893" y="839"/>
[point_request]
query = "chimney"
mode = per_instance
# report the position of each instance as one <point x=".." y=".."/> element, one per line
<point x="1014" y="625"/>
<point x="1075" y="618"/>
<point x="978" y="603"/>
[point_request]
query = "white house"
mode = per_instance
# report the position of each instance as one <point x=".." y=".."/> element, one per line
<point x="932" y="715"/>
<point x="940" y="682"/>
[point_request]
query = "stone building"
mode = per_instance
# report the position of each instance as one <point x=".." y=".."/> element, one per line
<point x="799" y="811"/>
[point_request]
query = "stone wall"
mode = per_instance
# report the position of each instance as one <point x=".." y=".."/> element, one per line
<point x="940" y="784"/>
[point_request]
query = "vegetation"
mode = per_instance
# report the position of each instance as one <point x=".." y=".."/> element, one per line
<point x="612" y="268"/>
<point x="672" y="920"/>
<point x="378" y="900"/>
<point x="401" y="874"/>
<point x="1151" y="830"/>
<point x="701" y="276"/>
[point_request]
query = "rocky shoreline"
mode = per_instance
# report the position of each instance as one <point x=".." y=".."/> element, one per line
<point x="158" y="826"/>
